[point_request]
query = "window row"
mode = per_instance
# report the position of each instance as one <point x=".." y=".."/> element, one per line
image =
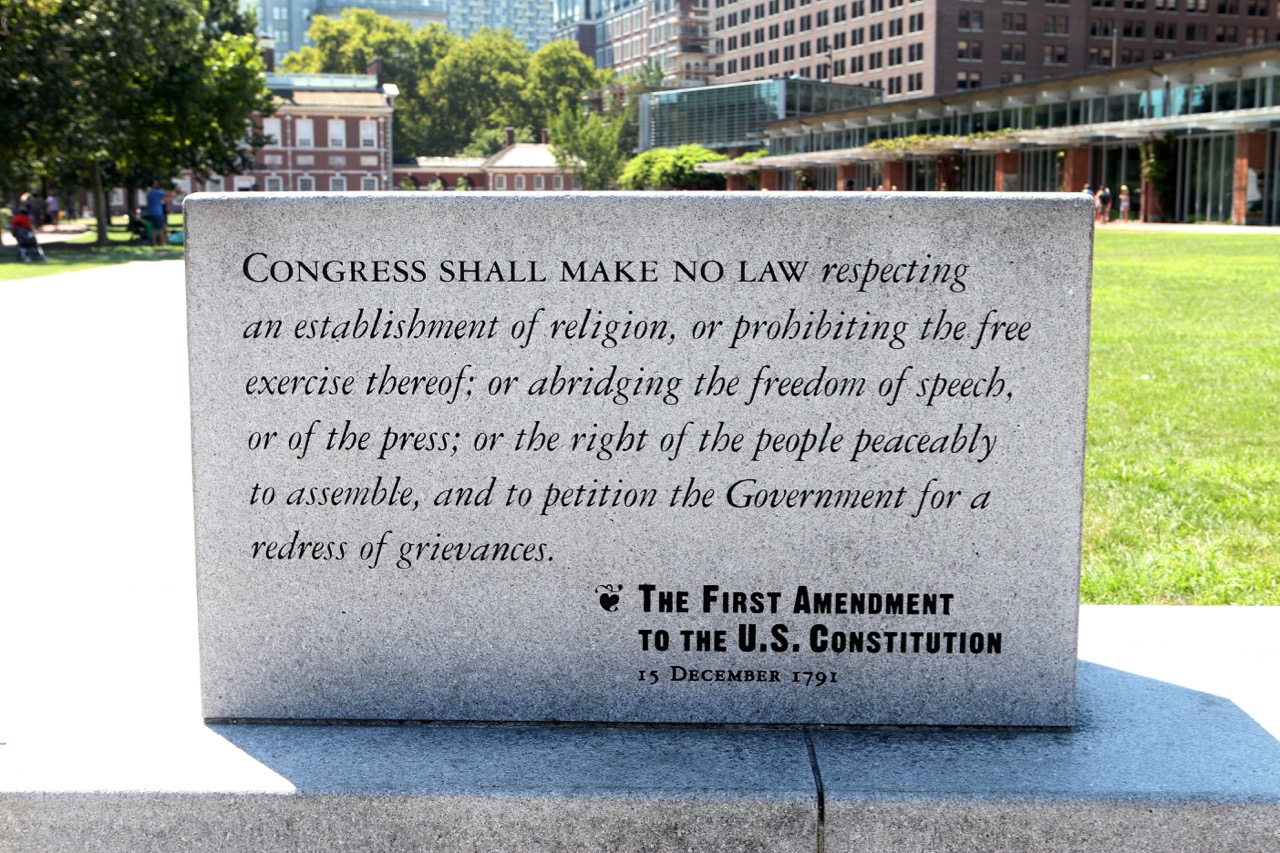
<point x="306" y="183"/>
<point x="836" y="41"/>
<point x="853" y="11"/>
<point x="852" y="65"/>
<point x="304" y="133"/>
<point x="518" y="183"/>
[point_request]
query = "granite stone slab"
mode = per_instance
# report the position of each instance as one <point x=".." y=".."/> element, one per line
<point x="781" y="458"/>
<point x="1148" y="766"/>
<point x="459" y="788"/>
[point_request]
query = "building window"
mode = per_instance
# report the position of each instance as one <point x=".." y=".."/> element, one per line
<point x="875" y="32"/>
<point x="1013" y="51"/>
<point x="1134" y="29"/>
<point x="1226" y="35"/>
<point x="839" y="13"/>
<point x="337" y="184"/>
<point x="274" y="184"/>
<point x="970" y="19"/>
<point x="915" y="82"/>
<point x="1255" y="35"/>
<point x="1011" y="77"/>
<point x="875" y="60"/>
<point x="557" y="182"/>
<point x="895" y="86"/>
<point x="968" y="51"/>
<point x="337" y="133"/>
<point x="915" y="52"/>
<point x="304" y="131"/>
<point x="968" y="79"/>
<point x="804" y="49"/>
<point x="500" y="182"/>
<point x="1013" y="22"/>
<point x="895" y="59"/>
<point x="306" y="185"/>
<point x="877" y="6"/>
<point x="271" y="130"/>
<point x="368" y="134"/>
<point x="858" y="9"/>
<point x="1055" y="54"/>
<point x="822" y="19"/>
<point x="1197" y="32"/>
<point x="519" y="182"/>
<point x="806" y="23"/>
<point x="1055" y="25"/>
<point x="1100" y="57"/>
<point x="856" y="36"/>
<point x="1101" y="27"/>
<point x="895" y="28"/>
<point x="915" y="23"/>
<point x="369" y="185"/>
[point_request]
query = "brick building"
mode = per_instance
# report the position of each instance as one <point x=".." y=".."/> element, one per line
<point x="629" y="36"/>
<point x="912" y="48"/>
<point x="330" y="132"/>
<point x="518" y="167"/>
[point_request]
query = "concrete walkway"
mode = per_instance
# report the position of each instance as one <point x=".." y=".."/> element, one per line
<point x="104" y="748"/>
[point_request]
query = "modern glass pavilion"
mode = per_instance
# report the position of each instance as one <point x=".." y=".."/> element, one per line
<point x="1208" y="128"/>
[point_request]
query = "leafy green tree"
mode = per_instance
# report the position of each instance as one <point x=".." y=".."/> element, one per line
<point x="558" y="76"/>
<point x="672" y="169"/>
<point x="589" y="145"/>
<point x="476" y="85"/>
<point x="487" y="141"/>
<point x="124" y="89"/>
<point x="349" y="43"/>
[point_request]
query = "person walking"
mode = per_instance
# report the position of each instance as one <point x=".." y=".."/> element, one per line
<point x="52" y="209"/>
<point x="156" y="200"/>
<point x="1124" y="202"/>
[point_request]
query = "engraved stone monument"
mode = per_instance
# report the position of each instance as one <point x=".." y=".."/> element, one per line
<point x="735" y="457"/>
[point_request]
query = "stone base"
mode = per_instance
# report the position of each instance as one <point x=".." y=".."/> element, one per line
<point x="1151" y="766"/>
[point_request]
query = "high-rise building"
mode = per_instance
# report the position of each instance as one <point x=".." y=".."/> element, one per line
<point x="911" y="48"/>
<point x="640" y="37"/>
<point x="286" y="21"/>
<point x="528" y="20"/>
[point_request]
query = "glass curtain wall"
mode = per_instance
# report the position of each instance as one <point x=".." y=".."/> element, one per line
<point x="1206" y="175"/>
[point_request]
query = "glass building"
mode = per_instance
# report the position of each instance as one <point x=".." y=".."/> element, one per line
<point x="734" y="116"/>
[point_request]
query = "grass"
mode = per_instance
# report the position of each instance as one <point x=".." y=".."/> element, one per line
<point x="81" y="253"/>
<point x="1182" y="482"/>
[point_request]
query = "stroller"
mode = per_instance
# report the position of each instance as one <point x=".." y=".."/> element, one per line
<point x="28" y="247"/>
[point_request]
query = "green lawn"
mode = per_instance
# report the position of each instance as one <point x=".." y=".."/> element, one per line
<point x="1182" y="483"/>
<point x="79" y="253"/>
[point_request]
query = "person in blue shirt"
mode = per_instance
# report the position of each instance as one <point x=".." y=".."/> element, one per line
<point x="156" y="200"/>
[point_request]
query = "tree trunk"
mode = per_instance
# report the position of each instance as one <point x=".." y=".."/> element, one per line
<point x="100" y="207"/>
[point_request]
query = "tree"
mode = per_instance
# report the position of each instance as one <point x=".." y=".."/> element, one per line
<point x="589" y="145"/>
<point x="349" y="43"/>
<point x="476" y="85"/>
<point x="672" y="169"/>
<point x="147" y="87"/>
<point x="488" y="141"/>
<point x="559" y="74"/>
